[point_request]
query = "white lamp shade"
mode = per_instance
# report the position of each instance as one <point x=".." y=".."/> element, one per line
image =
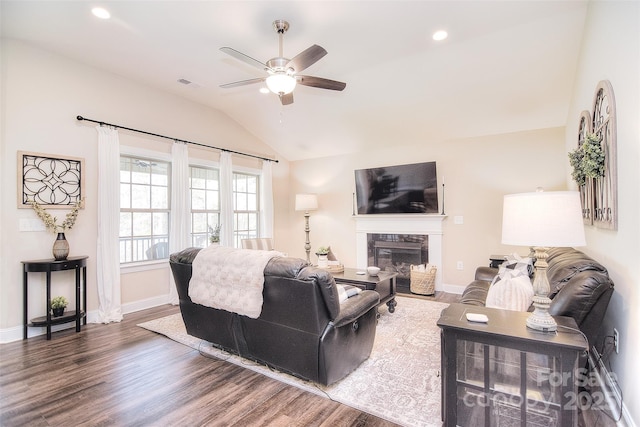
<point x="281" y="84"/>
<point x="306" y="202"/>
<point x="544" y="219"/>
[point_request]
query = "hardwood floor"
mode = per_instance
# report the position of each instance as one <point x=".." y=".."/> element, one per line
<point x="123" y="375"/>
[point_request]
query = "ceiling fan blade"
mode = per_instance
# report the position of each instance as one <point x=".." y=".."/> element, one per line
<point x="286" y="99"/>
<point x="244" y="58"/>
<point x="306" y="58"/>
<point x="321" y="83"/>
<point x="243" y="83"/>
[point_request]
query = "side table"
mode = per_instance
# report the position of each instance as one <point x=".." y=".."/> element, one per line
<point x="503" y="373"/>
<point x="384" y="283"/>
<point x="79" y="264"/>
<point x="496" y="260"/>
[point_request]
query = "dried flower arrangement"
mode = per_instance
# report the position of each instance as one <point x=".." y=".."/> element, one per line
<point x="50" y="222"/>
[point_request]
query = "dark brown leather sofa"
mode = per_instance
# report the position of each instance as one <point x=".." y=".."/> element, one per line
<point x="302" y="329"/>
<point x="580" y="288"/>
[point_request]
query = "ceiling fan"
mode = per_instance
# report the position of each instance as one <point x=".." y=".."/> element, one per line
<point x="283" y="72"/>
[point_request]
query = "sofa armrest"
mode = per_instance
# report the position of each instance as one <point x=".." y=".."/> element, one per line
<point x="356" y="306"/>
<point x="185" y="256"/>
<point x="476" y="293"/>
<point x="486" y="273"/>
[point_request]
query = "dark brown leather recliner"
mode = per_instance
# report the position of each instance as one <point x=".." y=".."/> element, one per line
<point x="580" y="288"/>
<point x="302" y="329"/>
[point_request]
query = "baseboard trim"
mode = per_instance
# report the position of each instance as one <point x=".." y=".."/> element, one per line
<point x="15" y="333"/>
<point x="453" y="289"/>
<point x="610" y="390"/>
<point x="132" y="307"/>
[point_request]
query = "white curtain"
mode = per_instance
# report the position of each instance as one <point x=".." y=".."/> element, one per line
<point x="226" y="199"/>
<point x="108" y="250"/>
<point x="180" y="226"/>
<point x="266" y="195"/>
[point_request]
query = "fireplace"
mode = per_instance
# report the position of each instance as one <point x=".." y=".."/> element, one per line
<point x="397" y="253"/>
<point x="397" y="241"/>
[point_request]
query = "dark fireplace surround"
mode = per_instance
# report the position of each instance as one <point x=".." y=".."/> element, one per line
<point x="397" y="253"/>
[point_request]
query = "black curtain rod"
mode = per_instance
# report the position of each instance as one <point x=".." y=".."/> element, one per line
<point x="80" y="118"/>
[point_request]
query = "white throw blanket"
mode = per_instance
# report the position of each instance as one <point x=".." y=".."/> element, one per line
<point x="230" y="279"/>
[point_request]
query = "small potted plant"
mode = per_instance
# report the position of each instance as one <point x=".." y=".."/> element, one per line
<point x="215" y="234"/>
<point x="58" y="304"/>
<point x="322" y="253"/>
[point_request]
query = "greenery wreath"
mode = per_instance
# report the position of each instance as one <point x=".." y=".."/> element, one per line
<point x="587" y="160"/>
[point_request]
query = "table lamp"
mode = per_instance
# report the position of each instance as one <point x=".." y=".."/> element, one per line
<point x="542" y="220"/>
<point x="306" y="203"/>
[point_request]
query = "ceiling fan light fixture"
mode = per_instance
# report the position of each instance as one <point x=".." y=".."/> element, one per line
<point x="101" y="13"/>
<point x="281" y="84"/>
<point x="440" y="35"/>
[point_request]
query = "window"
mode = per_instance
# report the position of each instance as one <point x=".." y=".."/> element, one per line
<point x="144" y="209"/>
<point x="204" y="184"/>
<point x="246" y="209"/>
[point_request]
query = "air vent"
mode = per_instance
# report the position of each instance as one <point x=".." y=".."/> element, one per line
<point x="189" y="83"/>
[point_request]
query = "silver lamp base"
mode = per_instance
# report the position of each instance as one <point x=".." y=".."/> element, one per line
<point x="540" y="319"/>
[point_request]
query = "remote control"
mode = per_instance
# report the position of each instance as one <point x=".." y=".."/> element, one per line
<point x="478" y="318"/>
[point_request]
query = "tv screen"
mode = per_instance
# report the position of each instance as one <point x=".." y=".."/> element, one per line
<point x="409" y="188"/>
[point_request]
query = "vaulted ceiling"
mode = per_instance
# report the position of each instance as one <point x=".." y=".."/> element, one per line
<point x="506" y="66"/>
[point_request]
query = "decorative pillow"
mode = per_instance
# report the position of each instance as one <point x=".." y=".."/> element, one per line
<point x="347" y="291"/>
<point x="516" y="262"/>
<point x="511" y="289"/>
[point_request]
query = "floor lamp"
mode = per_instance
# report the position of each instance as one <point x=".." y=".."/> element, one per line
<point x="306" y="203"/>
<point x="542" y="220"/>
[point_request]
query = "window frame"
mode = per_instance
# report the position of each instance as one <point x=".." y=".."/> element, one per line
<point x="202" y="165"/>
<point x="257" y="173"/>
<point x="199" y="162"/>
<point x="129" y="151"/>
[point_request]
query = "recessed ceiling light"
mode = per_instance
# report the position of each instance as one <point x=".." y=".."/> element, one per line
<point x="101" y="13"/>
<point x="264" y="90"/>
<point x="440" y="35"/>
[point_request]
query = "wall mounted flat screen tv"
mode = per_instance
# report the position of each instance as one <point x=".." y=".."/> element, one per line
<point x="397" y="189"/>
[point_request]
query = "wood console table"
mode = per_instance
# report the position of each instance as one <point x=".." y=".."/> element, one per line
<point x="503" y="373"/>
<point x="78" y="263"/>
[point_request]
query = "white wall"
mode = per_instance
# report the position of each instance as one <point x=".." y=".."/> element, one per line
<point x="42" y="93"/>
<point x="478" y="173"/>
<point x="611" y="51"/>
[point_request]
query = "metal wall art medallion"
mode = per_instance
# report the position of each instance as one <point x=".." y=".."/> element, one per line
<point x="51" y="181"/>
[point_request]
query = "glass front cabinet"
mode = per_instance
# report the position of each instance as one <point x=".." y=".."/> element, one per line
<point x="504" y="374"/>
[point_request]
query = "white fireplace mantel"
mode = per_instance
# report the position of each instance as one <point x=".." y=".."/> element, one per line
<point x="430" y="225"/>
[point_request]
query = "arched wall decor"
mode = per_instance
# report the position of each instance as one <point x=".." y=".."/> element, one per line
<point x="586" y="191"/>
<point x="605" y="203"/>
<point x="599" y="195"/>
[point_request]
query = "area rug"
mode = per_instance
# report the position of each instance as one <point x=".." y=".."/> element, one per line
<point x="400" y="382"/>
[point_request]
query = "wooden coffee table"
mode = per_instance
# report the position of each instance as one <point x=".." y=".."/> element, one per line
<point x="384" y="283"/>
